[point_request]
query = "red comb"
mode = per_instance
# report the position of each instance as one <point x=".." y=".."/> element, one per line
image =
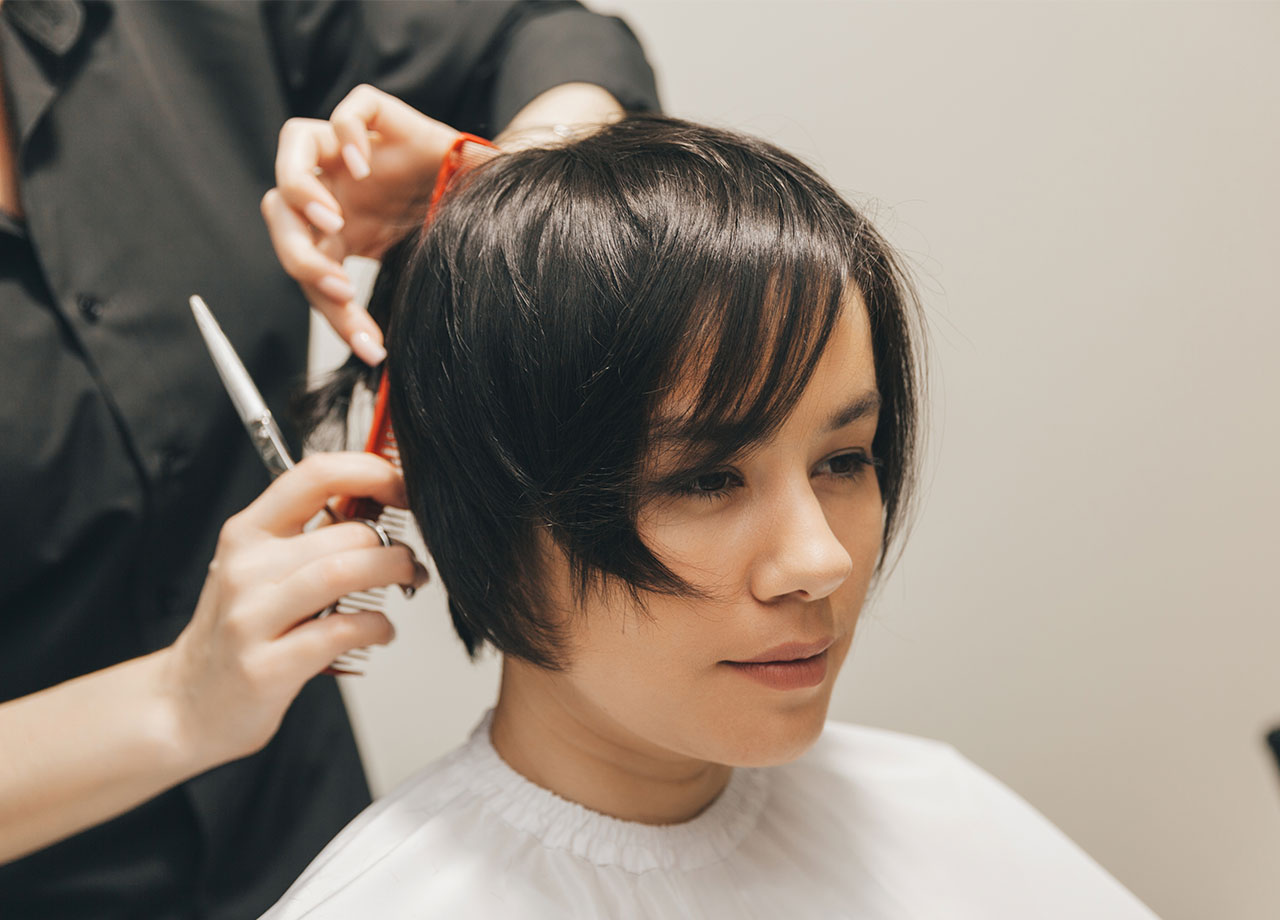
<point x="466" y="152"/>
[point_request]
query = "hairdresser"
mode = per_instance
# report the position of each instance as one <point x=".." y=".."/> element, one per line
<point x="166" y="749"/>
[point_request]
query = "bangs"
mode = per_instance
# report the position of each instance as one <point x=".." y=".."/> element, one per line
<point x="745" y="364"/>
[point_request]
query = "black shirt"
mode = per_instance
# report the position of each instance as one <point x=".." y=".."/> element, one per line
<point x="145" y="135"/>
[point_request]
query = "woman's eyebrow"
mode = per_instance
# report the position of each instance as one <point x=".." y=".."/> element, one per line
<point x="860" y="407"/>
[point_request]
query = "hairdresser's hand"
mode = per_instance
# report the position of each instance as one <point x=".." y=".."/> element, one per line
<point x="220" y="690"/>
<point x="351" y="185"/>
<point x="253" y="641"/>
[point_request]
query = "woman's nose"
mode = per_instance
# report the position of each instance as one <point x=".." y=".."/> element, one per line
<point x="798" y="551"/>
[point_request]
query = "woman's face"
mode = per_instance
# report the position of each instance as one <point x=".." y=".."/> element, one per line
<point x="786" y="541"/>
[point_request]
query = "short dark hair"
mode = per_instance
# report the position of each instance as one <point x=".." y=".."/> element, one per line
<point x="554" y="301"/>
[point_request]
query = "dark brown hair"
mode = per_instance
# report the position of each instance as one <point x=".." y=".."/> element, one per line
<point x="553" y="303"/>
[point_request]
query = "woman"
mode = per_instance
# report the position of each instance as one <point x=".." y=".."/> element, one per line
<point x="655" y="392"/>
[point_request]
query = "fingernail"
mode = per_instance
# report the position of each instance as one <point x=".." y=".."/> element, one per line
<point x="326" y="220"/>
<point x="369" y="351"/>
<point x="356" y="163"/>
<point x="421" y="575"/>
<point x="336" y="288"/>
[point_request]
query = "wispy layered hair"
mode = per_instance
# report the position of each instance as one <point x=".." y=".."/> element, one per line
<point x="556" y="302"/>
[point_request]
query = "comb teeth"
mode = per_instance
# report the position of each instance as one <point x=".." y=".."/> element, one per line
<point x="392" y="452"/>
<point x="370" y="598"/>
<point x="388" y="449"/>
<point x="471" y="153"/>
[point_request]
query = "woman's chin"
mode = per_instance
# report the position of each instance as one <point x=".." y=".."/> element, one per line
<point x="770" y="738"/>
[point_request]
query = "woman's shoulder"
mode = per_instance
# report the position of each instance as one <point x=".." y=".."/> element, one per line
<point x="912" y="784"/>
<point x="918" y="808"/>
<point x="869" y="777"/>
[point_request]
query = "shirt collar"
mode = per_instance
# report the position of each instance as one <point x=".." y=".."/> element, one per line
<point x="54" y="24"/>
<point x="36" y="36"/>
<point x="12" y="226"/>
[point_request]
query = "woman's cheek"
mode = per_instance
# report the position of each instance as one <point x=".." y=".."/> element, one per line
<point x="708" y="544"/>
<point x="857" y="520"/>
<point x="624" y="652"/>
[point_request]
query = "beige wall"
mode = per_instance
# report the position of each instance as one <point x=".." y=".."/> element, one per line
<point x="1088" y="193"/>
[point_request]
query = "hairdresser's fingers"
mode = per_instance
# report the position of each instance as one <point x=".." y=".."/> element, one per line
<point x="351" y="122"/>
<point x="279" y="559"/>
<point x="333" y="247"/>
<point x="313" y="646"/>
<point x="348" y="319"/>
<point x="354" y="325"/>
<point x="398" y="124"/>
<point x="295" y="497"/>
<point x="318" y="269"/>
<point x="323" y="581"/>
<point x="305" y="223"/>
<point x="307" y="147"/>
<point x="276" y="559"/>
<point x="352" y="119"/>
<point x="249" y="561"/>
<point x="295" y="245"/>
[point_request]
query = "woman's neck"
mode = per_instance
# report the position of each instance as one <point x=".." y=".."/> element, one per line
<point x="560" y="742"/>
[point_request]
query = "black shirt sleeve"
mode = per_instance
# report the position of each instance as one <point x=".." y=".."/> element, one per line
<point x="472" y="65"/>
<point x="570" y="45"/>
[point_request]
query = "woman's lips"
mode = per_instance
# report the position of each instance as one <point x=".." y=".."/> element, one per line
<point x="785" y="675"/>
<point x="794" y="666"/>
<point x="790" y="651"/>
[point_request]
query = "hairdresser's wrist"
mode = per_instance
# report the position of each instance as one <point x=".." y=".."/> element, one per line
<point x="178" y="745"/>
<point x="194" y="727"/>
<point x="559" y="115"/>
<point x="195" y="723"/>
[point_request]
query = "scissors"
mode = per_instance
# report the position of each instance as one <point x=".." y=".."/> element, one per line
<point x="257" y="418"/>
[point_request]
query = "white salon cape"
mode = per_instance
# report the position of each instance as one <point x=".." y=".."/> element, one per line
<point x="869" y="824"/>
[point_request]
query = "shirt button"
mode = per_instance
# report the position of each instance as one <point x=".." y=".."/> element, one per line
<point x="172" y="462"/>
<point x="90" y="307"/>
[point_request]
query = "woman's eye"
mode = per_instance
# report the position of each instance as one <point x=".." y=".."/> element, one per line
<point x="850" y="465"/>
<point x="709" y="485"/>
<point x="720" y="483"/>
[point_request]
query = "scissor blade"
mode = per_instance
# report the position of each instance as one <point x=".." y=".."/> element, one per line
<point x="250" y="405"/>
<point x="248" y="401"/>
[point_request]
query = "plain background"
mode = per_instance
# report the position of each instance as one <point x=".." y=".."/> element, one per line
<point x="1088" y="195"/>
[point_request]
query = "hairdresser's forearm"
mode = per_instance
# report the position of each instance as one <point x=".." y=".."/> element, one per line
<point x="84" y="751"/>
<point x="569" y="104"/>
